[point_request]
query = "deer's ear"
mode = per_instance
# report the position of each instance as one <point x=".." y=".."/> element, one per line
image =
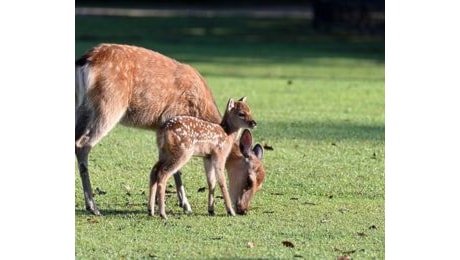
<point x="258" y="151"/>
<point x="230" y="104"/>
<point x="245" y="142"/>
<point x="242" y="99"/>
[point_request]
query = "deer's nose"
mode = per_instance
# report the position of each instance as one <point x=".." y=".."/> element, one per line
<point x="252" y="124"/>
<point x="242" y="212"/>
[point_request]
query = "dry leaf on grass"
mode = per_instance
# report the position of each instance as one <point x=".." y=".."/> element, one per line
<point x="348" y="252"/>
<point x="268" y="147"/>
<point x="92" y="221"/>
<point x="288" y="244"/>
<point x="99" y="191"/>
<point x="343" y="210"/>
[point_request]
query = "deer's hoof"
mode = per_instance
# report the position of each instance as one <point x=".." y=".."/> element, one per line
<point x="187" y="208"/>
<point x="94" y="210"/>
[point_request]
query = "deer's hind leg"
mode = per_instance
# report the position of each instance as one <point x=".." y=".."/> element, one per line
<point x="93" y="123"/>
<point x="82" y="158"/>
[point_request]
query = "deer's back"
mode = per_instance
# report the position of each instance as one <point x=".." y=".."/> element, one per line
<point x="148" y="85"/>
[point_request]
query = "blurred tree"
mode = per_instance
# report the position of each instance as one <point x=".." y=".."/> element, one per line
<point x="361" y="16"/>
<point x="333" y="16"/>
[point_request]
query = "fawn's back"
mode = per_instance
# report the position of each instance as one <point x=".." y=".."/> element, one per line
<point x="205" y="138"/>
<point x="189" y="133"/>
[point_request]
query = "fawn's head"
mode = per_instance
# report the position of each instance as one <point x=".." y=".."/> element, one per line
<point x="238" y="115"/>
<point x="245" y="171"/>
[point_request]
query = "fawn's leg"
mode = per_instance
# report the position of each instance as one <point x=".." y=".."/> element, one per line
<point x="211" y="178"/>
<point x="219" y="168"/>
<point x="162" y="180"/>
<point x="153" y="188"/>
<point x="171" y="165"/>
<point x="181" y="195"/>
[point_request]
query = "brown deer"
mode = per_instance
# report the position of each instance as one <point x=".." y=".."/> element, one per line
<point x="182" y="137"/>
<point x="141" y="88"/>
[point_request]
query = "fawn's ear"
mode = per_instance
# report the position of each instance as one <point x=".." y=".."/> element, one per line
<point x="245" y="142"/>
<point x="258" y="151"/>
<point x="230" y="104"/>
<point x="242" y="99"/>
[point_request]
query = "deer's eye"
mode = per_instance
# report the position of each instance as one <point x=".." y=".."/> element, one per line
<point x="241" y="114"/>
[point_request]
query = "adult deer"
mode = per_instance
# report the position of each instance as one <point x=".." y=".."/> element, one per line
<point x="182" y="137"/>
<point x="141" y="88"/>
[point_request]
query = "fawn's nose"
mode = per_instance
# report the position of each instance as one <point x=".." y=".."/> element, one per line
<point x="252" y="124"/>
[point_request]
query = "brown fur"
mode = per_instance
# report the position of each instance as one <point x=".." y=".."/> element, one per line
<point x="136" y="87"/>
<point x="244" y="186"/>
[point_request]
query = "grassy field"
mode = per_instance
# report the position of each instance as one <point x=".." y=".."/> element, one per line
<point x="319" y="102"/>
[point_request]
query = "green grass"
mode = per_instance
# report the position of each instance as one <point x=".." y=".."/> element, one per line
<point x="319" y="102"/>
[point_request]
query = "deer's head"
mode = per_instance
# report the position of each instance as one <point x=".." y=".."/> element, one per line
<point x="245" y="172"/>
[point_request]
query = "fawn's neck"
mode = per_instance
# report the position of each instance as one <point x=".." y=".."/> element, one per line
<point x="228" y="127"/>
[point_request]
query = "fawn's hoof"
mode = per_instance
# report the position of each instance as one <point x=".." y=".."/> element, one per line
<point x="211" y="213"/>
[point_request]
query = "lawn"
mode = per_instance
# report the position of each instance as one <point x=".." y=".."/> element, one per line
<point x="319" y="102"/>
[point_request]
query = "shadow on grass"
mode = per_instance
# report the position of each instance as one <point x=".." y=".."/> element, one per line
<point x="112" y="212"/>
<point x="124" y="212"/>
<point x="321" y="131"/>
